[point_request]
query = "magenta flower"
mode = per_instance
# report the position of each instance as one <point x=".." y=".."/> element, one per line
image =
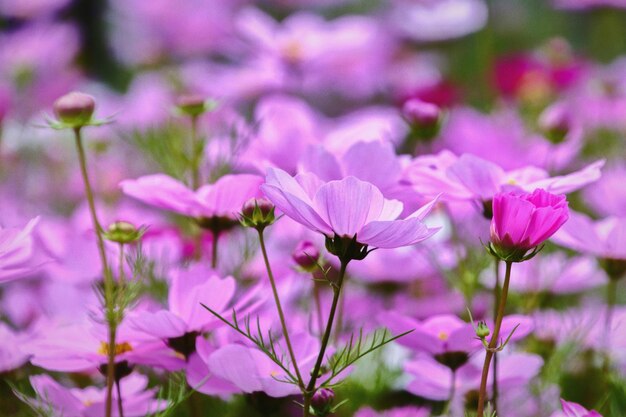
<point x="522" y="222"/>
<point x="89" y="402"/>
<point x="576" y="410"/>
<point x="349" y="209"/>
<point x="18" y="253"/>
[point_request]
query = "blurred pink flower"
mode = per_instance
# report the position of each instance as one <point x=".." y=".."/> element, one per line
<point x="605" y="238"/>
<point x="137" y="401"/>
<point x="437" y="20"/>
<point x="224" y="198"/>
<point x="469" y="177"/>
<point x="571" y="409"/>
<point x="346" y="209"/>
<point x="523" y="221"/>
<point x="19" y="254"/>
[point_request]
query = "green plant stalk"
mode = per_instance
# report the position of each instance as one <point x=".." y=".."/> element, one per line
<point x="214" y="254"/>
<point x="120" y="406"/>
<point x="493" y="342"/>
<point x="279" y="307"/>
<point x="611" y="294"/>
<point x="108" y="278"/>
<point x="310" y="388"/>
<point x="195" y="159"/>
<point x="452" y="393"/>
<point x="497" y="291"/>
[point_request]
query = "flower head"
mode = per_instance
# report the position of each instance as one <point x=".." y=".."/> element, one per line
<point x="351" y="213"/>
<point x="521" y="222"/>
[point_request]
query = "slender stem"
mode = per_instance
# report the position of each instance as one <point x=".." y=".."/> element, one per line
<point x="108" y="279"/>
<point x="279" y="307"/>
<point x="611" y="293"/>
<point x="120" y="277"/>
<point x="482" y="393"/>
<point x="120" y="406"/>
<point x="496" y="297"/>
<point x="195" y="159"/>
<point x="340" y="314"/>
<point x="310" y="389"/>
<point x="318" y="307"/>
<point x="216" y="237"/>
<point x="452" y="392"/>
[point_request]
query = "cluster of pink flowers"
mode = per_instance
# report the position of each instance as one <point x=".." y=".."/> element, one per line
<point x="282" y="205"/>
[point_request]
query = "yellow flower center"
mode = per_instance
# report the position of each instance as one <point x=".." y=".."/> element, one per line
<point x="119" y="348"/>
<point x="443" y="336"/>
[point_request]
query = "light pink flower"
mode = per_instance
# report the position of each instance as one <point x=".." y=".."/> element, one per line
<point x="19" y="255"/>
<point x="137" y="401"/>
<point x="224" y="198"/>
<point x="346" y="209"/>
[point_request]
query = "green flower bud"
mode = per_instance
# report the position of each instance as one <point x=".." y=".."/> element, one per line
<point x="257" y="213"/>
<point x="482" y="330"/>
<point x="75" y="109"/>
<point x="123" y="232"/>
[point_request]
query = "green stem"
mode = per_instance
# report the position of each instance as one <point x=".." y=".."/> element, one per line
<point x="318" y="307"/>
<point x="279" y="307"/>
<point x="195" y="158"/>
<point x="216" y="237"/>
<point x="493" y="342"/>
<point x="121" y="278"/>
<point x="611" y="294"/>
<point x="120" y="406"/>
<point x="108" y="278"/>
<point x="452" y="393"/>
<point x="496" y="297"/>
<point x="310" y="389"/>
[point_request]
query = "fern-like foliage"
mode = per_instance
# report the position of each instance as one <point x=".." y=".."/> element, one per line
<point x="356" y="348"/>
<point x="265" y="343"/>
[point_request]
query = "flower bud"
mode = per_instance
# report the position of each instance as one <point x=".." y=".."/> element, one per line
<point x="75" y="109"/>
<point x="123" y="232"/>
<point x="257" y="213"/>
<point x="194" y="105"/>
<point x="322" y="401"/>
<point x="555" y="123"/>
<point x="482" y="330"/>
<point x="423" y="117"/>
<point x="306" y="255"/>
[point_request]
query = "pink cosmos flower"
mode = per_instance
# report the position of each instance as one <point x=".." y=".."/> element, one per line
<point x="437" y="20"/>
<point x="469" y="177"/>
<point x="523" y="221"/>
<point x="252" y="371"/>
<point x="186" y="319"/>
<point x="576" y="410"/>
<point x="436" y="335"/>
<point x="82" y="347"/>
<point x="604" y="238"/>
<point x="345" y="209"/>
<point x="89" y="402"/>
<point x="12" y="352"/>
<point x="19" y="256"/>
<point x="224" y="198"/>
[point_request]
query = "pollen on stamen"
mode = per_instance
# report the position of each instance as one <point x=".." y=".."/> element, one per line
<point x="119" y="348"/>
